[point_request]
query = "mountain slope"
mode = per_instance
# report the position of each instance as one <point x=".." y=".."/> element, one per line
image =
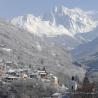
<point x="88" y="36"/>
<point x="25" y="48"/>
<point x="87" y="53"/>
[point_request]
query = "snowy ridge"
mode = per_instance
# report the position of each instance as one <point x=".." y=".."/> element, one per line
<point x="59" y="21"/>
<point x="74" y="20"/>
<point x="37" y="26"/>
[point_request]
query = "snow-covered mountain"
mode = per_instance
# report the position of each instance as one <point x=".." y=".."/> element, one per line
<point x="61" y="24"/>
<point x="74" y="20"/>
<point x="39" y="27"/>
<point x="25" y="49"/>
<point x="59" y="21"/>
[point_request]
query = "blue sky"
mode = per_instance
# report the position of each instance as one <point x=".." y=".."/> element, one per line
<point x="12" y="8"/>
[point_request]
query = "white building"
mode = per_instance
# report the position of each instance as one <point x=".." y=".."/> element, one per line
<point x="72" y="85"/>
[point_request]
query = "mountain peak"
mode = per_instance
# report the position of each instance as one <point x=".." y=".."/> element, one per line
<point x="75" y="20"/>
<point x="63" y="9"/>
<point x="58" y="8"/>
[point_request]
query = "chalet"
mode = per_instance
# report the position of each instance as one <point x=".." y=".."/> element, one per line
<point x="24" y="76"/>
<point x="33" y="75"/>
<point x="55" y="82"/>
<point x="43" y="74"/>
<point x="12" y="72"/>
<point x="11" y="64"/>
<point x="9" y="78"/>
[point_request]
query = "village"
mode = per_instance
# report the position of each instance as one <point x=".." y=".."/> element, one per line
<point x="10" y="72"/>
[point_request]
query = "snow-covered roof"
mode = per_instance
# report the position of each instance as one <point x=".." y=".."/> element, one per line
<point x="41" y="71"/>
<point x="56" y="94"/>
<point x="11" y="70"/>
<point x="7" y="49"/>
